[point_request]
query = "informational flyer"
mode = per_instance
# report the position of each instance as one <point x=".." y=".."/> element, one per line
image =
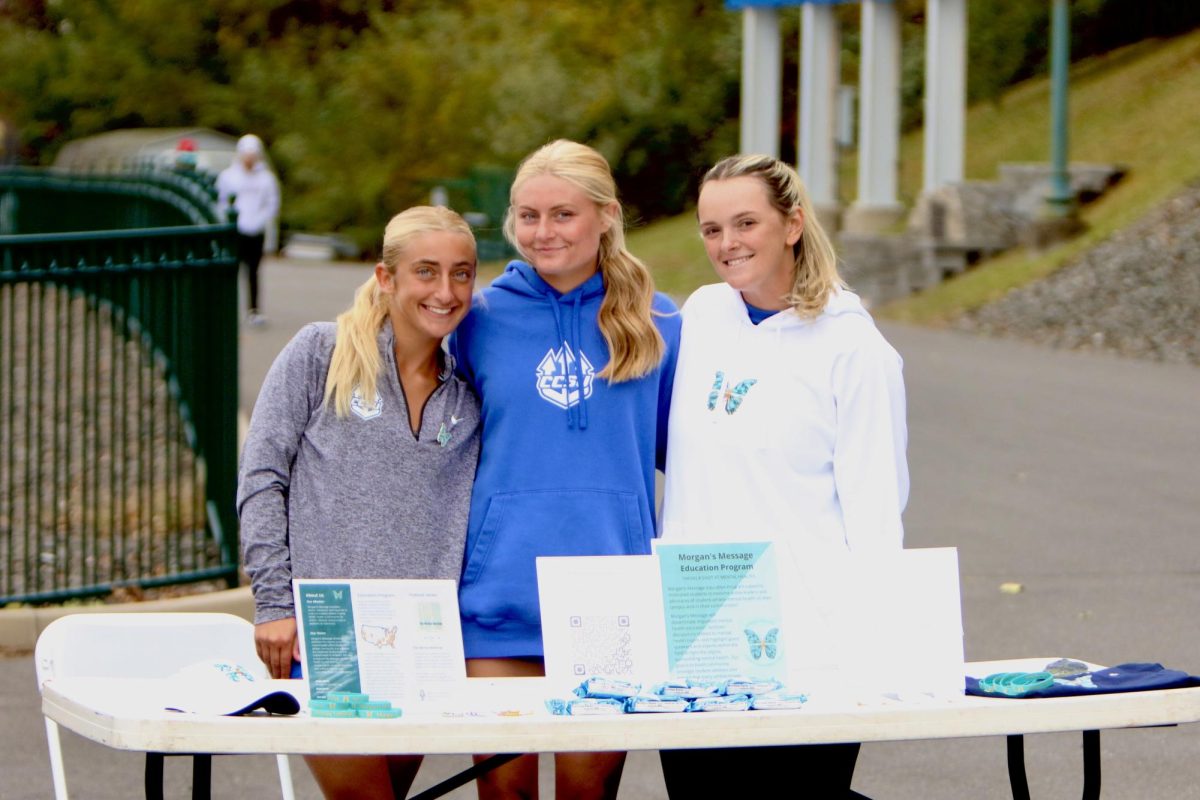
<point x="722" y="611"/>
<point x="396" y="640"/>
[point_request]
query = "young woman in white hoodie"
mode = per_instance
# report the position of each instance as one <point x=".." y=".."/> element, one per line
<point x="787" y="416"/>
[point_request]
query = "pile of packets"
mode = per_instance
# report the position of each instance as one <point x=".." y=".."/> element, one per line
<point x="612" y="696"/>
<point x="350" y="705"/>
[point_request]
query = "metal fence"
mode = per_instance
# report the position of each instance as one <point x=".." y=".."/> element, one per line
<point x="118" y="384"/>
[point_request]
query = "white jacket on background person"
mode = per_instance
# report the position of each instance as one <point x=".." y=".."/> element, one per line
<point x="792" y="429"/>
<point x="255" y="194"/>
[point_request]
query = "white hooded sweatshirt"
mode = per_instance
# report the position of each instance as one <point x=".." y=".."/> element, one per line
<point x="789" y="430"/>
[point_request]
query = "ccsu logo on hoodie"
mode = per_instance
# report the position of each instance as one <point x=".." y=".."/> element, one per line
<point x="557" y="380"/>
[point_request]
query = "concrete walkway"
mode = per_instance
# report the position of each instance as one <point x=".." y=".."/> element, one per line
<point x="1071" y="475"/>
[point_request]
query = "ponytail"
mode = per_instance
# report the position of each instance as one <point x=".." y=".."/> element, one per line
<point x="355" y="361"/>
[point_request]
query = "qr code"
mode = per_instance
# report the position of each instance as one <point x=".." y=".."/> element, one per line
<point x="602" y="645"/>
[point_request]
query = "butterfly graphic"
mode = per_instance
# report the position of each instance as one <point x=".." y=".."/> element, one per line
<point x="733" y="396"/>
<point x="763" y="645"/>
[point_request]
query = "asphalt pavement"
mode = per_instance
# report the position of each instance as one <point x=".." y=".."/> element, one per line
<point x="1071" y="475"/>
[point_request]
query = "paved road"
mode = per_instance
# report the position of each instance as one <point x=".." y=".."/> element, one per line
<point x="1073" y="475"/>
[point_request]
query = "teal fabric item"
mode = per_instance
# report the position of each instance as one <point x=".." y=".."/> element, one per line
<point x="1132" y="677"/>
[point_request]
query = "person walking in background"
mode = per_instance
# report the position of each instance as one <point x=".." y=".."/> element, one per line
<point x="254" y="191"/>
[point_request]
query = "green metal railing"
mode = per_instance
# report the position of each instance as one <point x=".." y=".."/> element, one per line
<point x="118" y="384"/>
<point x="482" y="198"/>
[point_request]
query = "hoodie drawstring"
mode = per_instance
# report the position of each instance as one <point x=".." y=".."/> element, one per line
<point x="566" y="370"/>
<point x="581" y="411"/>
<point x="572" y="367"/>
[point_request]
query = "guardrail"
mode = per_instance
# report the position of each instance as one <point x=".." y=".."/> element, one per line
<point x="118" y="384"/>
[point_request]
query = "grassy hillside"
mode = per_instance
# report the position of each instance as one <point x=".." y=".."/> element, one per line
<point x="1139" y="106"/>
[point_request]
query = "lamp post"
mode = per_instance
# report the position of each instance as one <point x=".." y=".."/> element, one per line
<point x="1060" y="202"/>
<point x="1058" y="218"/>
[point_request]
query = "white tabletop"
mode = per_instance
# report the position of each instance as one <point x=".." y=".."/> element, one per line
<point x="107" y="711"/>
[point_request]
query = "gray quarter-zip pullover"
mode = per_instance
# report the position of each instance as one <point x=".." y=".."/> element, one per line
<point x="355" y="497"/>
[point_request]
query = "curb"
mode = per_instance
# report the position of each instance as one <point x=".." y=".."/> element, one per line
<point x="20" y="627"/>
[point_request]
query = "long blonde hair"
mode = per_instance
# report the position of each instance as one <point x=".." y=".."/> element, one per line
<point x="355" y="362"/>
<point x="815" y="275"/>
<point x="634" y="344"/>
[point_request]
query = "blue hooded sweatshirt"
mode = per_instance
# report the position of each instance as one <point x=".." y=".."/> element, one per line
<point x="568" y="459"/>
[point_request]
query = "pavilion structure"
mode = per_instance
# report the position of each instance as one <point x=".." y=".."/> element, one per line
<point x="876" y="205"/>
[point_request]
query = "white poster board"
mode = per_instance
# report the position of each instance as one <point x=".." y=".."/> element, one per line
<point x="395" y="640"/>
<point x="601" y="615"/>
<point x="859" y="623"/>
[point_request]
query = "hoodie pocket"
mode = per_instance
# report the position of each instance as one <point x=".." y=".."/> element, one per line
<point x="500" y="578"/>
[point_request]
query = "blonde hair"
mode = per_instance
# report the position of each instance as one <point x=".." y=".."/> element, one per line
<point x="355" y="362"/>
<point x="815" y="275"/>
<point x="634" y="344"/>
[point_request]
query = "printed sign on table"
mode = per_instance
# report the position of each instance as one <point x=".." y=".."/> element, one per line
<point x="397" y="640"/>
<point x="867" y="623"/>
<point x="722" y="610"/>
<point x="601" y="616"/>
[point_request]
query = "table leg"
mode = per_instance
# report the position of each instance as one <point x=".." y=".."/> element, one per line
<point x="1016" y="767"/>
<point x="154" y="776"/>
<point x="1091" y="765"/>
<point x="466" y="776"/>
<point x="201" y="776"/>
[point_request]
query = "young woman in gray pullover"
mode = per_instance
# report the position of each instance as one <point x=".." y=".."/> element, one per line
<point x="361" y="453"/>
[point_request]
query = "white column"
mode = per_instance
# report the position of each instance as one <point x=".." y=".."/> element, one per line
<point x="762" y="74"/>
<point x="819" y="51"/>
<point x="876" y="206"/>
<point x="945" y="91"/>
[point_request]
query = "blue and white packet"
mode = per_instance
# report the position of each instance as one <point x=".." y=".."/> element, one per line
<point x="777" y="701"/>
<point x="607" y="688"/>
<point x="585" y="707"/>
<point x="751" y="686"/>
<point x="689" y="689"/>
<point x="734" y="702"/>
<point x="655" y="704"/>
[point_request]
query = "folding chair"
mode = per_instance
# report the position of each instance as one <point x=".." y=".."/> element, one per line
<point x="141" y="645"/>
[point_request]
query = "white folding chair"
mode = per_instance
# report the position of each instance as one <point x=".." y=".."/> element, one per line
<point x="140" y="645"/>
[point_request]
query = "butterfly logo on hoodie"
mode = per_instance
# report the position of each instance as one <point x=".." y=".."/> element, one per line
<point x="733" y="395"/>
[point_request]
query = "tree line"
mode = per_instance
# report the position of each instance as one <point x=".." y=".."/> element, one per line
<point x="367" y="104"/>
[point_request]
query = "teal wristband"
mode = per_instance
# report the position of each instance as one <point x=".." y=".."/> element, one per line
<point x="1016" y="684"/>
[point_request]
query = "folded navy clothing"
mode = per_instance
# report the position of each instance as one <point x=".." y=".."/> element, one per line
<point x="1110" y="680"/>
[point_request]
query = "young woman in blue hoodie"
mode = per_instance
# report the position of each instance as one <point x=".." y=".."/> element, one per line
<point x="788" y="421"/>
<point x="572" y="353"/>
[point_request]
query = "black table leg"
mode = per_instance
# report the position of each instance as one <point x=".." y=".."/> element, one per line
<point x="466" y="776"/>
<point x="1091" y="765"/>
<point x="154" y="776"/>
<point x="1016" y="767"/>
<point x="201" y="776"/>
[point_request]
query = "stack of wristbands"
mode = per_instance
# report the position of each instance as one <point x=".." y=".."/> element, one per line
<point x="352" y="705"/>
<point x="610" y="696"/>
<point x="1016" y="684"/>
